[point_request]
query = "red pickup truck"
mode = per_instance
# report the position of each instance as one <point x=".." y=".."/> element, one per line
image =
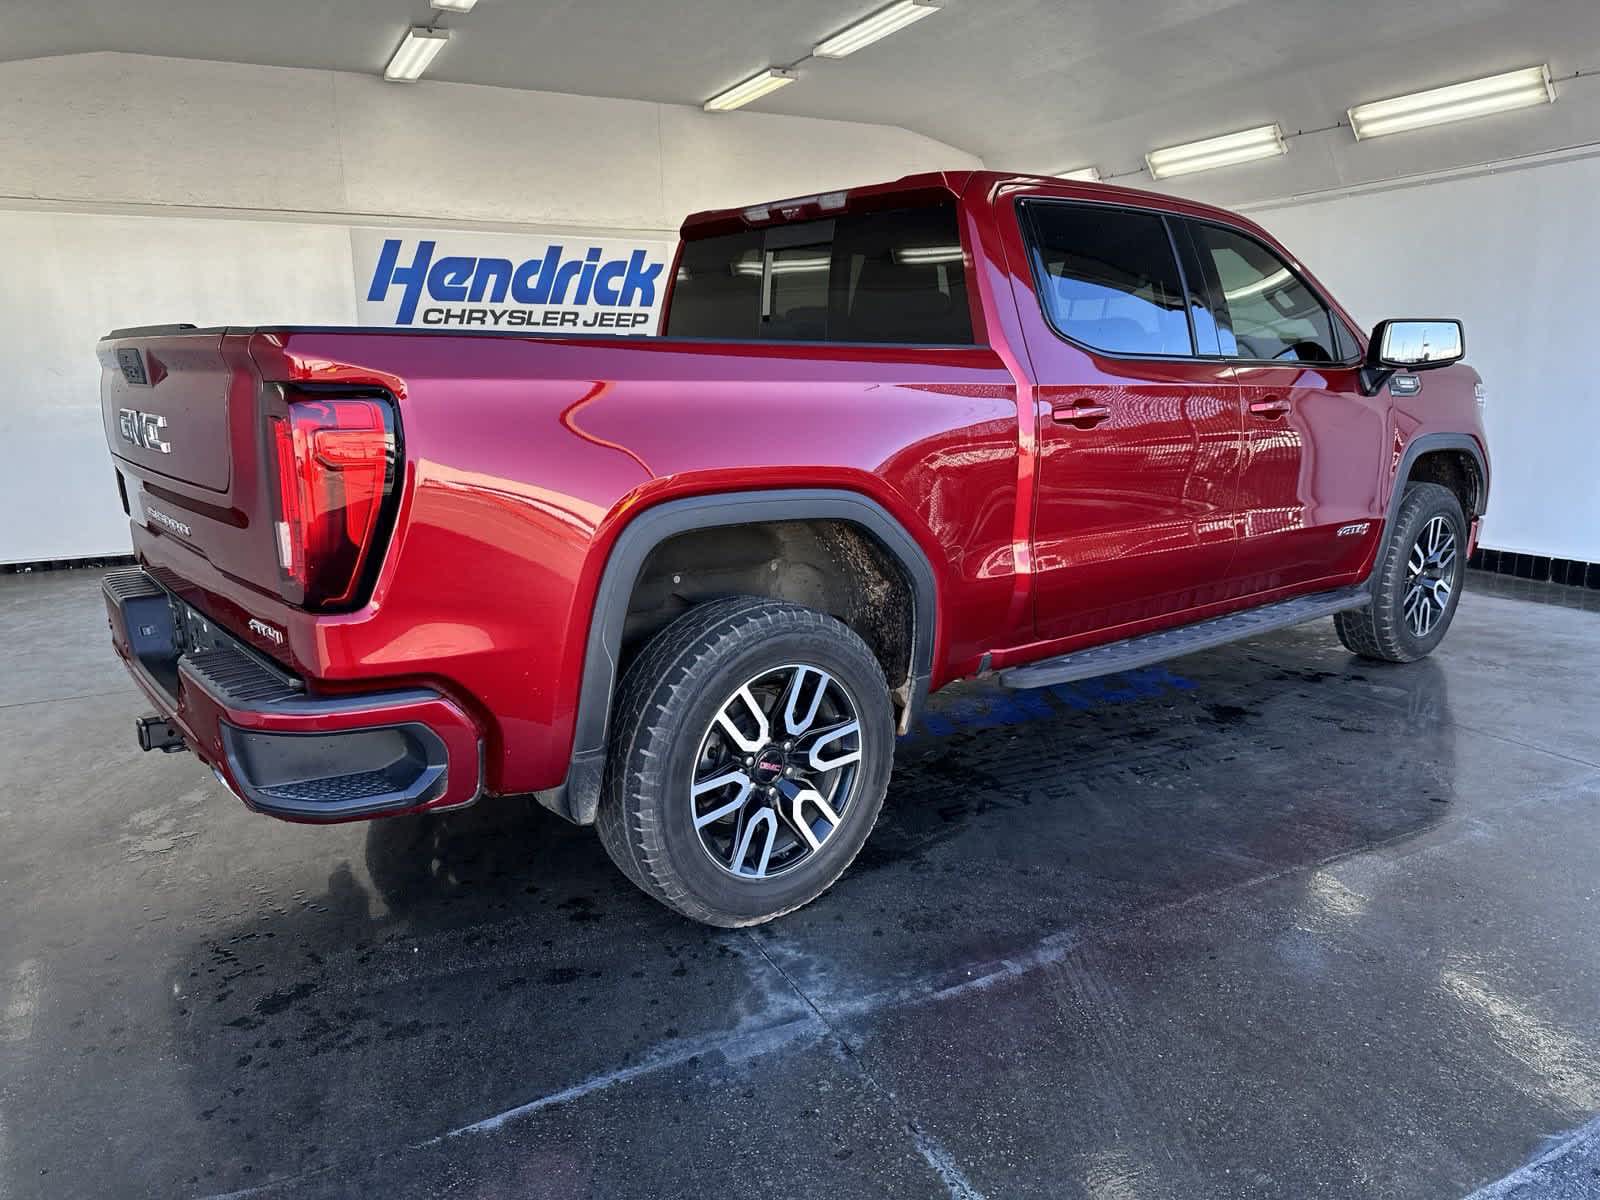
<point x="687" y="588"/>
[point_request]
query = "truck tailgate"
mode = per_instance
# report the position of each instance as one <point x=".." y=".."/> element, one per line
<point x="184" y="418"/>
<point x="165" y="404"/>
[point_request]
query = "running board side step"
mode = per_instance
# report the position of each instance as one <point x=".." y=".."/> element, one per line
<point x="1148" y="648"/>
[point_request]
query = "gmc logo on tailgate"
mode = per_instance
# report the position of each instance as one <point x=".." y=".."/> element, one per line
<point x="143" y="429"/>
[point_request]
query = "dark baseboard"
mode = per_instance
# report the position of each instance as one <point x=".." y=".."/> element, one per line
<point x="1569" y="571"/>
<point x="103" y="562"/>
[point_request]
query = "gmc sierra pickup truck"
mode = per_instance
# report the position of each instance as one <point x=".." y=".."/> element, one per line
<point x="687" y="588"/>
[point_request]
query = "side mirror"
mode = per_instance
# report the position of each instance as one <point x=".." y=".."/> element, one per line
<point x="1415" y="345"/>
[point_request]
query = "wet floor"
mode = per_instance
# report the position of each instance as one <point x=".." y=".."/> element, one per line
<point x="1269" y="921"/>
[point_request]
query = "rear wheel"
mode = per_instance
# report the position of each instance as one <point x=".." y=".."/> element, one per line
<point x="1417" y="582"/>
<point x="753" y="746"/>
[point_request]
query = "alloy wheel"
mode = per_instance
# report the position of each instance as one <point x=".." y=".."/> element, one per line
<point x="1430" y="576"/>
<point x="776" y="771"/>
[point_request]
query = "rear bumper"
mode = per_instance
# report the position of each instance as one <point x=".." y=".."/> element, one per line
<point x="280" y="749"/>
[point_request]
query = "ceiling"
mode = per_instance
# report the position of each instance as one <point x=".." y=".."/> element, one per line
<point x="1037" y="85"/>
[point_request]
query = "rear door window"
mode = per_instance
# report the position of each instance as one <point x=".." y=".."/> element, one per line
<point x="897" y="276"/>
<point x="1108" y="277"/>
<point x="1264" y="311"/>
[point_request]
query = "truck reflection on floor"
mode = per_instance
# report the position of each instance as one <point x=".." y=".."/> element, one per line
<point x="1130" y="740"/>
<point x="496" y="928"/>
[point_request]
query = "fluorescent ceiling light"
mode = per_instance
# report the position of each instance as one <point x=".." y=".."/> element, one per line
<point x="1475" y="98"/>
<point x="415" y="53"/>
<point x="786" y="266"/>
<point x="925" y="255"/>
<point x="454" y="5"/>
<point x="753" y="88"/>
<point x="1244" y="146"/>
<point x="1265" y="284"/>
<point x="879" y="25"/>
<point x="1081" y="175"/>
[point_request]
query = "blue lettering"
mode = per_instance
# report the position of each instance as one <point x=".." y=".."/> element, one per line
<point x="387" y="257"/>
<point x="586" y="276"/>
<point x="552" y="279"/>
<point x="539" y="293"/>
<point x="605" y="281"/>
<point x="410" y="278"/>
<point x="565" y="274"/>
<point x="495" y="271"/>
<point x="640" y="280"/>
<point x="448" y="279"/>
<point x="521" y="282"/>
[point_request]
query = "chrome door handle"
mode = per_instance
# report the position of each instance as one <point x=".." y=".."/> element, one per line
<point x="1269" y="408"/>
<point x="1082" y="415"/>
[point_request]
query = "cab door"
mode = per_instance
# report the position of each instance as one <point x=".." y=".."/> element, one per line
<point x="1139" y="438"/>
<point x="1309" y="484"/>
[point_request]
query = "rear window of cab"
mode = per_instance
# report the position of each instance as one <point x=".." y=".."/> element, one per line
<point x="896" y="276"/>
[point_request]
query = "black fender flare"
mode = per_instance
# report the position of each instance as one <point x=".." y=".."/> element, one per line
<point x="578" y="796"/>
<point x="1429" y="443"/>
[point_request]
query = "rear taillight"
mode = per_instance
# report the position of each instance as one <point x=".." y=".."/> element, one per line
<point x="335" y="463"/>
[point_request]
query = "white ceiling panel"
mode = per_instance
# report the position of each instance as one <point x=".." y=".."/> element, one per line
<point x="1027" y="84"/>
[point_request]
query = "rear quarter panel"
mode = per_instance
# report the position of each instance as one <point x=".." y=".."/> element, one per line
<point x="526" y="457"/>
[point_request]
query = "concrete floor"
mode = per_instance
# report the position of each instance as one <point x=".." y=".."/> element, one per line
<point x="1268" y="922"/>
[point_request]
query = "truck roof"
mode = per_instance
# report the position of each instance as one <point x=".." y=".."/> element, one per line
<point x="955" y="183"/>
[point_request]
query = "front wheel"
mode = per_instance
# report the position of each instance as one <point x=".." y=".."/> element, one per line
<point x="1416" y="584"/>
<point x="752" y="749"/>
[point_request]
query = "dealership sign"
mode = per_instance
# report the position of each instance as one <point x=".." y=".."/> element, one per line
<point x="451" y="280"/>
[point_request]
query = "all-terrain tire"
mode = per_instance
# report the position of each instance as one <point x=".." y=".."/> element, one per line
<point x="665" y="707"/>
<point x="1385" y="630"/>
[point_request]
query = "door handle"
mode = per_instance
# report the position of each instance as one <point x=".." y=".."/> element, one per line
<point x="1274" y="407"/>
<point x="1082" y="414"/>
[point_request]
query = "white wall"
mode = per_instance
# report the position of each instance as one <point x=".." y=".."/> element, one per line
<point x="165" y="131"/>
<point x="1516" y="254"/>
<point x="138" y="190"/>
<point x="70" y="278"/>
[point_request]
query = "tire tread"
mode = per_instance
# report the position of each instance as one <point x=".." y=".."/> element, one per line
<point x="1378" y="631"/>
<point x="661" y="681"/>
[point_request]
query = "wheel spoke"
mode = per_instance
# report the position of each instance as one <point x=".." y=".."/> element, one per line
<point x="1425" y="612"/>
<point x="798" y="800"/>
<point x="726" y="779"/>
<point x="819" y="739"/>
<point x="793" y="721"/>
<point x="736" y="735"/>
<point x="763" y="818"/>
<point x="1416" y="600"/>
